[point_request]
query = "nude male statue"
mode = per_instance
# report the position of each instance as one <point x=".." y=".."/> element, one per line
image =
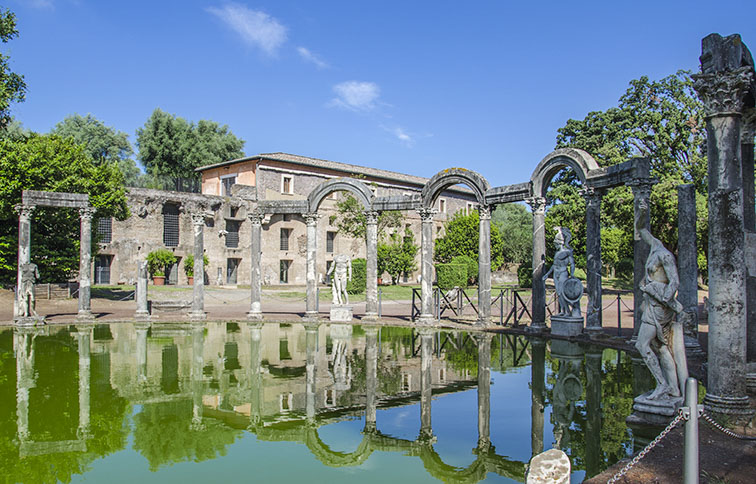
<point x="26" y="299"/>
<point x="342" y="272"/>
<point x="562" y="269"/>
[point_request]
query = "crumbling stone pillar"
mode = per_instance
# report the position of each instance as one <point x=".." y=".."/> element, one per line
<point x="593" y="258"/>
<point x="426" y="265"/>
<point x="642" y="219"/>
<point x="722" y="93"/>
<point x="538" y="310"/>
<point x="24" y="250"/>
<point x="484" y="391"/>
<point x="85" y="265"/>
<point x="747" y="133"/>
<point x="371" y="289"/>
<point x="426" y="360"/>
<point x="142" y="310"/>
<point x="255" y="373"/>
<point x="371" y="377"/>
<point x="83" y="337"/>
<point x="198" y="296"/>
<point x="484" y="265"/>
<point x="687" y="265"/>
<point x="311" y="348"/>
<point x="538" y="394"/>
<point x="255" y="307"/>
<point x="311" y="311"/>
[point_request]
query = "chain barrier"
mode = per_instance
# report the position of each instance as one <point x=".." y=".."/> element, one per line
<point x="226" y="301"/>
<point x="626" y="306"/>
<point x="724" y="430"/>
<point x="647" y="449"/>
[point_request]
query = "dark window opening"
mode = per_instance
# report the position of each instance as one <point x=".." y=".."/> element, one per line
<point x="170" y="225"/>
<point x="102" y="269"/>
<point x="228" y="182"/>
<point x="232" y="269"/>
<point x="330" y="238"/>
<point x="233" y="212"/>
<point x="232" y="234"/>
<point x="105" y="230"/>
<point x="284" y="271"/>
<point x="285" y="239"/>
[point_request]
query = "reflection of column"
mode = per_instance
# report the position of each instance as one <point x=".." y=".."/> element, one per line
<point x="748" y="131"/>
<point x="85" y="264"/>
<point x="311" y="311"/>
<point x="24" y="249"/>
<point x="371" y="377"/>
<point x="538" y="206"/>
<point x="484" y="391"/>
<point x="311" y="345"/>
<point x="593" y="412"/>
<point x="723" y="94"/>
<point x="83" y="337"/>
<point x="687" y="265"/>
<point x="23" y="345"/>
<point x="567" y="389"/>
<point x="371" y="289"/>
<point x="142" y="311"/>
<point x="198" y="295"/>
<point x="426" y="265"/>
<point x="141" y="351"/>
<point x="484" y="265"/>
<point x="537" y="387"/>
<point x="255" y="271"/>
<point x="198" y="362"/>
<point x="593" y="257"/>
<point x="426" y="359"/>
<point x="255" y="374"/>
<point x="642" y="217"/>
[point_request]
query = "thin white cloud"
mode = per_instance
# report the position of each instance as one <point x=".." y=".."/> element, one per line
<point x="356" y="95"/>
<point x="407" y="139"/>
<point x="41" y="4"/>
<point x="308" y="56"/>
<point x="255" y="27"/>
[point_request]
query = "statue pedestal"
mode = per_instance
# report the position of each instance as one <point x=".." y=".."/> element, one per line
<point x="654" y="412"/>
<point x="29" y="321"/>
<point x="566" y="326"/>
<point x="341" y="314"/>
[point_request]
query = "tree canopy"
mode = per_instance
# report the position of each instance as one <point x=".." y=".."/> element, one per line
<point x="396" y="256"/>
<point x="351" y="218"/>
<point x="12" y="85"/>
<point x="461" y="237"/>
<point x="515" y="226"/>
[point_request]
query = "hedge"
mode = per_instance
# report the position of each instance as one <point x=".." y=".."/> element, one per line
<point x="451" y="275"/>
<point x="471" y="264"/>
<point x="359" y="277"/>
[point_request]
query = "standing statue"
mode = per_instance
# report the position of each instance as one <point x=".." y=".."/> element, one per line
<point x="660" y="337"/>
<point x="568" y="288"/>
<point x="342" y="272"/>
<point x="26" y="299"/>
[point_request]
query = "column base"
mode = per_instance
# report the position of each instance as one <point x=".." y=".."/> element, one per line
<point x="427" y="320"/>
<point x="751" y="377"/>
<point x="85" y="315"/>
<point x="255" y="316"/>
<point x="370" y="317"/>
<point x="311" y="316"/>
<point x="142" y="325"/>
<point x="537" y="328"/>
<point x="370" y="428"/>
<point x="142" y="316"/>
<point x="197" y="315"/>
<point x="737" y="406"/>
<point x="483" y="323"/>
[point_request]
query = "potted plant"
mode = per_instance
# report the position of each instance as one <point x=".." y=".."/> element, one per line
<point x="158" y="261"/>
<point x="189" y="267"/>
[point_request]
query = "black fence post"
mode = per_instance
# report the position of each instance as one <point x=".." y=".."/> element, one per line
<point x="619" y="315"/>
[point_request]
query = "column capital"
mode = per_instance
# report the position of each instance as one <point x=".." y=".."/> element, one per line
<point x="592" y="195"/>
<point x="748" y="126"/>
<point x="426" y="214"/>
<point x="87" y="213"/>
<point x="311" y="218"/>
<point x="24" y="210"/>
<point x="371" y="217"/>
<point x="723" y="93"/>
<point x="198" y="218"/>
<point x="484" y="212"/>
<point x="255" y="217"/>
<point x="537" y="204"/>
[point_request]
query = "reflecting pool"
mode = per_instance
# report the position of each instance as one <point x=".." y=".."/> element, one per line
<point x="166" y="402"/>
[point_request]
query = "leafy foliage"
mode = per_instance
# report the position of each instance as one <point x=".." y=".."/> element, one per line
<point x="461" y="237"/>
<point x="12" y="85"/>
<point x="358" y="283"/>
<point x="189" y="264"/>
<point x="397" y="256"/>
<point x="451" y="275"/>
<point x="352" y="221"/>
<point x="159" y="260"/>
<point x="471" y="267"/>
<point x="515" y="226"/>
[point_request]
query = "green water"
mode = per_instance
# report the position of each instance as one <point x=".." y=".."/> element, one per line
<point x="294" y="403"/>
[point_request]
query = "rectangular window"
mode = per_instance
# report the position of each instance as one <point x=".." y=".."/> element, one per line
<point x="442" y="205"/>
<point x="233" y="212"/>
<point x="287" y="184"/>
<point x="170" y="225"/>
<point x="102" y="269"/>
<point x="283" y="349"/>
<point x="284" y="271"/>
<point x="330" y="238"/>
<point x="285" y="233"/>
<point x="105" y="230"/>
<point x="470" y="208"/>
<point x="232" y="234"/>
<point x="232" y="269"/>
<point x="227" y="182"/>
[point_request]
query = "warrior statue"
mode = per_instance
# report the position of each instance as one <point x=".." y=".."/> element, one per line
<point x="563" y="270"/>
<point x="26" y="300"/>
<point x="342" y="272"/>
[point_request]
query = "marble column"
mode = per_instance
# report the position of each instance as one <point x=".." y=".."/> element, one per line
<point x="311" y="311"/>
<point x="371" y="289"/>
<point x="198" y="296"/>
<point x="85" y="265"/>
<point x="642" y="218"/>
<point x="142" y="312"/>
<point x="426" y="266"/>
<point x="687" y="266"/>
<point x="255" y="374"/>
<point x="748" y="131"/>
<point x="538" y="310"/>
<point x="24" y="251"/>
<point x="371" y="376"/>
<point x="255" y="271"/>
<point x="484" y="391"/>
<point x="426" y="381"/>
<point x="538" y="394"/>
<point x="311" y="348"/>
<point x="198" y="363"/>
<point x="484" y="265"/>
<point x="593" y="412"/>
<point x="593" y="317"/>
<point x="83" y="337"/>
<point x="722" y="94"/>
<point x="141" y="329"/>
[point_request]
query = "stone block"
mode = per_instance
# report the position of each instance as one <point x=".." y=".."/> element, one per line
<point x="566" y="326"/>
<point x="342" y="314"/>
<point x="550" y="467"/>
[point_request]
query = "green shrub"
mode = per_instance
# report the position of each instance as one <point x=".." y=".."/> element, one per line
<point x="625" y="267"/>
<point x="451" y="275"/>
<point x="159" y="260"/>
<point x="525" y="275"/>
<point x="471" y="265"/>
<point x="359" y="277"/>
<point x="189" y="264"/>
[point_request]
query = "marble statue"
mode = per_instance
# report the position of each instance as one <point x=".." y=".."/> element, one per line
<point x="342" y="272"/>
<point x="26" y="299"/>
<point x="568" y="288"/>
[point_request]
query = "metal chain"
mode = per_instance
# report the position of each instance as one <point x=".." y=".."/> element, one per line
<point x="647" y="449"/>
<point x="726" y="431"/>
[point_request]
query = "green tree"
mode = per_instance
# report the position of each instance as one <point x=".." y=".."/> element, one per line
<point x="12" y="85"/>
<point x="104" y="144"/>
<point x="397" y="255"/>
<point x="515" y="226"/>
<point x="170" y="148"/>
<point x="461" y="237"/>
<point x="45" y="162"/>
<point x="351" y="219"/>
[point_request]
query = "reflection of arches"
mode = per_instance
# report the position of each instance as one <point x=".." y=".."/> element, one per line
<point x="578" y="160"/>
<point x="361" y="192"/>
<point x="450" y="177"/>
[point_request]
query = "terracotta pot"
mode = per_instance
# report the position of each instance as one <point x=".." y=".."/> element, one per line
<point x="380" y="281"/>
<point x="190" y="280"/>
<point x="158" y="280"/>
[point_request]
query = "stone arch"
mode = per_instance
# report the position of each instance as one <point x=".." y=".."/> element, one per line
<point x="454" y="176"/>
<point x="333" y="458"/>
<point x="355" y="187"/>
<point x="580" y="162"/>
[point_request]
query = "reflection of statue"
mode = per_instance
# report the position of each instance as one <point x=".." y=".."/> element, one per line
<point x="26" y="300"/>
<point x="342" y="272"/>
<point x="568" y="289"/>
<point x="660" y="337"/>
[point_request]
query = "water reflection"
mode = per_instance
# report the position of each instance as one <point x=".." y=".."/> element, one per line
<point x="195" y="390"/>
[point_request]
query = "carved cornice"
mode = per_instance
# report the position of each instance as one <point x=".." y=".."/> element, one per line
<point x="723" y="93"/>
<point x="484" y="212"/>
<point x="24" y="211"/>
<point x="537" y="204"/>
<point x="748" y="126"/>
<point x="87" y="213"/>
<point x="426" y="214"/>
<point x="371" y="217"/>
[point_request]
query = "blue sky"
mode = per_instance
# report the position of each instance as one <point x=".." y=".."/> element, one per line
<point x="413" y="87"/>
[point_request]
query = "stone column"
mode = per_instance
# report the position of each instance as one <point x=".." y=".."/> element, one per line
<point x="426" y="266"/>
<point x="255" y="374"/>
<point x="83" y="337"/>
<point x="722" y="94"/>
<point x="24" y="250"/>
<point x="255" y="271"/>
<point x="311" y="312"/>
<point x="538" y="394"/>
<point x="484" y="391"/>
<point x="198" y="297"/>
<point x="142" y="311"/>
<point x="141" y="351"/>
<point x="687" y="265"/>
<point x="371" y="376"/>
<point x="311" y="346"/>
<point x="538" y="310"/>
<point x="593" y="412"/>
<point x="198" y="362"/>
<point x="23" y="346"/>
<point x="426" y="380"/>
<point x="371" y="289"/>
<point x="593" y="316"/>
<point x="642" y="218"/>
<point x="748" y="131"/>
<point x="484" y="265"/>
<point x="85" y="265"/>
